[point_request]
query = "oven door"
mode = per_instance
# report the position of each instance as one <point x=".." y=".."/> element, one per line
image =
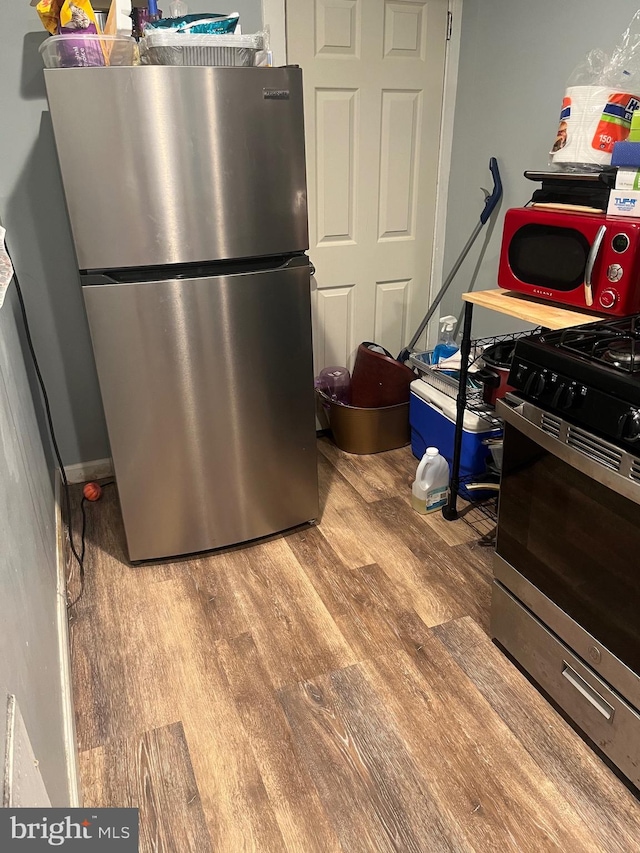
<point x="569" y="539"/>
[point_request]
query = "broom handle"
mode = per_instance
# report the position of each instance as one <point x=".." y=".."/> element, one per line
<point x="441" y="293"/>
<point x="490" y="202"/>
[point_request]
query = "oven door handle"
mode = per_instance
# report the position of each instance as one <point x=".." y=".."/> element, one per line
<point x="612" y="479"/>
<point x="590" y="694"/>
<point x="591" y="259"/>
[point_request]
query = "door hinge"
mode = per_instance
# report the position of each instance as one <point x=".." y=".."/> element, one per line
<point x="449" y="25"/>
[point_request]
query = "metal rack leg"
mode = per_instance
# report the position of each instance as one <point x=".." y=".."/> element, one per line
<point x="450" y="509"/>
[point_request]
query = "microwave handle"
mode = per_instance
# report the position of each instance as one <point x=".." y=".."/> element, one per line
<point x="591" y="259"/>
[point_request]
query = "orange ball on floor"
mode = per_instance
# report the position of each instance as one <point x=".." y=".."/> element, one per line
<point x="92" y="491"/>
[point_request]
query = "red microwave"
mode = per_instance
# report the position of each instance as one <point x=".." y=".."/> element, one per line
<point x="587" y="260"/>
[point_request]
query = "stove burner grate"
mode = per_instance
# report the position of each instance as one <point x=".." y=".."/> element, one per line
<point x="616" y="345"/>
<point x="624" y="353"/>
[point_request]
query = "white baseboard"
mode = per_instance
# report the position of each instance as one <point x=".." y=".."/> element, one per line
<point x="96" y="469"/>
<point x="68" y="714"/>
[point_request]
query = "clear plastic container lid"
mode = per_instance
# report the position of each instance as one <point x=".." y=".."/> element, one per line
<point x="159" y="38"/>
<point x="84" y="50"/>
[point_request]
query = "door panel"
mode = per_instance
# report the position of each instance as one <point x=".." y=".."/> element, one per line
<point x="391" y="314"/>
<point x="208" y="393"/>
<point x="373" y="86"/>
<point x="336" y="111"/>
<point x="399" y="170"/>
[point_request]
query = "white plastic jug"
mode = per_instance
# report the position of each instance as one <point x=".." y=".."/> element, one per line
<point x="429" y="490"/>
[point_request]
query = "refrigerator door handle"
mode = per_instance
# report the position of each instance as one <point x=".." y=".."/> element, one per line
<point x="295" y="261"/>
<point x="97" y="278"/>
<point x="193" y="271"/>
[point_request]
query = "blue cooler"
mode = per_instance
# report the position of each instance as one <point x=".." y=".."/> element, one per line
<point x="432" y="417"/>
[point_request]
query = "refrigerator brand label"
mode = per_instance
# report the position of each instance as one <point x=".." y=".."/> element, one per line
<point x="276" y="94"/>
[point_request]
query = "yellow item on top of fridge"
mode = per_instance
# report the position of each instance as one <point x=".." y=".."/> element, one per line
<point x="67" y="16"/>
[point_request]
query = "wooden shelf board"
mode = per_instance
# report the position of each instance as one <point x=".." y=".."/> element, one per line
<point x="531" y="310"/>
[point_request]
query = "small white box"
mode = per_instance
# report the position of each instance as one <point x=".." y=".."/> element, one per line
<point x="624" y="203"/>
<point x="628" y="179"/>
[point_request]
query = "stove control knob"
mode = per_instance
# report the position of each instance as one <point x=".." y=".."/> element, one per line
<point x="568" y="397"/>
<point x="564" y="397"/>
<point x="608" y="298"/>
<point x="536" y="384"/>
<point x="521" y="372"/>
<point x="631" y="425"/>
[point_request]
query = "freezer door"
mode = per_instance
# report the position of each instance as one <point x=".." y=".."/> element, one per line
<point x="207" y="387"/>
<point x="168" y="165"/>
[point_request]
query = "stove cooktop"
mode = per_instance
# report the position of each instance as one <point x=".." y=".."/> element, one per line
<point x="588" y="374"/>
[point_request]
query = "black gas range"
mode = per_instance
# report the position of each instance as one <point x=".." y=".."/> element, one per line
<point x="589" y="375"/>
<point x="566" y="592"/>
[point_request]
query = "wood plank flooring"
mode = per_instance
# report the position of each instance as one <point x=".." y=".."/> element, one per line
<point x="333" y="689"/>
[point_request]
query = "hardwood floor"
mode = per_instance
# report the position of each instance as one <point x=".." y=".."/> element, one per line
<point x="333" y="689"/>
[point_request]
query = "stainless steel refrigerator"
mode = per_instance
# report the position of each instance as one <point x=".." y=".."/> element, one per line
<point x="186" y="194"/>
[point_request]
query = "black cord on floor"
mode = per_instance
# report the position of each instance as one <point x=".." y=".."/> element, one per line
<point x="79" y="557"/>
<point x="83" y="510"/>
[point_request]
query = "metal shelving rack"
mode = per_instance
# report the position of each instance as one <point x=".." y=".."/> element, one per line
<point x="482" y="514"/>
<point x="482" y="518"/>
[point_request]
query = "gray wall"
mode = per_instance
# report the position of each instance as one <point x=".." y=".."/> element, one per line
<point x="515" y="57"/>
<point x="29" y="664"/>
<point x="33" y="211"/>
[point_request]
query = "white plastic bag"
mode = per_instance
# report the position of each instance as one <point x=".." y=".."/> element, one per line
<point x="601" y="96"/>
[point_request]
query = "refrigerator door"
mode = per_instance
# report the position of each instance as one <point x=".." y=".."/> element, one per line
<point x="207" y="386"/>
<point x="172" y="165"/>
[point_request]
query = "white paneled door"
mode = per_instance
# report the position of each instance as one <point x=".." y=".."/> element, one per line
<point x="373" y="78"/>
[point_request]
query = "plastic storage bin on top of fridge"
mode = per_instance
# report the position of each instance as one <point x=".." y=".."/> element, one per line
<point x="171" y="48"/>
<point x="89" y="51"/>
<point x="432" y="416"/>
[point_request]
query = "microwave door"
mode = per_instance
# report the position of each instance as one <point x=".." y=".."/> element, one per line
<point x="593" y="254"/>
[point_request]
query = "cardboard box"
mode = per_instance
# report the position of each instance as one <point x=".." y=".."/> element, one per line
<point x="628" y="179"/>
<point x="624" y="203"/>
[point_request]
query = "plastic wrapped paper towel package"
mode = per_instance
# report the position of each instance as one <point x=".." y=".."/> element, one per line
<point x="592" y="120"/>
<point x="603" y="92"/>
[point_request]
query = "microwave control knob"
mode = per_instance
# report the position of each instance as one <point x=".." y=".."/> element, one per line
<point x="614" y="272"/>
<point x="608" y="298"/>
<point x="620" y="243"/>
